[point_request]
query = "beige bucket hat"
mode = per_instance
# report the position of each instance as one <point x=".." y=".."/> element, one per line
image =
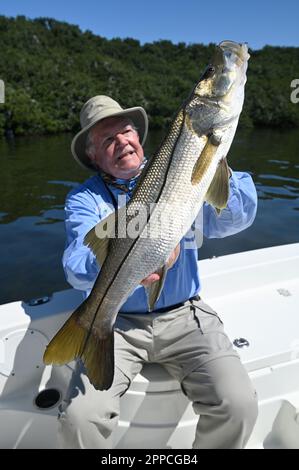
<point x="98" y="108"/>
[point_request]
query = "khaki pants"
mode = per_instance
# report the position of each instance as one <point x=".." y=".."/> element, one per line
<point x="191" y="344"/>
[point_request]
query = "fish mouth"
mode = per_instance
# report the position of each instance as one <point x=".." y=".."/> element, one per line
<point x="239" y="49"/>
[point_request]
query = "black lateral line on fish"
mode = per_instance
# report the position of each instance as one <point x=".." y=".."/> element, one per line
<point x="137" y="238"/>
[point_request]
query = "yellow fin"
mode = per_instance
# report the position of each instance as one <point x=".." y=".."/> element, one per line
<point x="73" y="341"/>
<point x="155" y="289"/>
<point x="98" y="358"/>
<point x="218" y="192"/>
<point x="204" y="159"/>
<point x="99" y="236"/>
<point x="67" y="344"/>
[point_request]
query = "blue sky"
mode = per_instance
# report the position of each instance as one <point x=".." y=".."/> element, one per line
<point x="257" y="22"/>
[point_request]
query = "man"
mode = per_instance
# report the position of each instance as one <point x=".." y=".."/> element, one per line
<point x="192" y="344"/>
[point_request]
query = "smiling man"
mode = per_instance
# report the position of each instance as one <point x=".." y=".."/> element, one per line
<point x="113" y="147"/>
<point x="183" y="333"/>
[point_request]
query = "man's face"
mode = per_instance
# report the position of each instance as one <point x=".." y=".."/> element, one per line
<point x="117" y="148"/>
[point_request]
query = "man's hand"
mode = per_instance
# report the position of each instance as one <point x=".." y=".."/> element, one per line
<point x="169" y="263"/>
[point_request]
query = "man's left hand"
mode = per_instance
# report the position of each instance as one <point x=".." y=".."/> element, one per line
<point x="169" y="263"/>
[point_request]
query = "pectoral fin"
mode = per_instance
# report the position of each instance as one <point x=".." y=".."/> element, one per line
<point x="218" y="192"/>
<point x="205" y="158"/>
<point x="155" y="289"/>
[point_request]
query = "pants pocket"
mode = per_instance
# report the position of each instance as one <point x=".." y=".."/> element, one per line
<point x="207" y="319"/>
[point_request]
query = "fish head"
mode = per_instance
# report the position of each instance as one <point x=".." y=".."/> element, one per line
<point x="224" y="78"/>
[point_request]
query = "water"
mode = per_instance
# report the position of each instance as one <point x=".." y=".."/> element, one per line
<point x="37" y="173"/>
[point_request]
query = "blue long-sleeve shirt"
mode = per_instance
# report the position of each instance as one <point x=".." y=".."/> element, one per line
<point x="87" y="204"/>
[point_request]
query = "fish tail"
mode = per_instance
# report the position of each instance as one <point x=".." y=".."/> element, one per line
<point x="68" y="342"/>
<point x="98" y="358"/>
<point x="73" y="341"/>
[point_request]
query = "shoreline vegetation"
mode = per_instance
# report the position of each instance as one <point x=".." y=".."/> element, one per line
<point x="50" y="68"/>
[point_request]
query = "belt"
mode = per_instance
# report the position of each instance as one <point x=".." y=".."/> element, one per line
<point x="173" y="307"/>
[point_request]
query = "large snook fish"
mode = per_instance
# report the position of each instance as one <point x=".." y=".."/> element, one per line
<point x="189" y="167"/>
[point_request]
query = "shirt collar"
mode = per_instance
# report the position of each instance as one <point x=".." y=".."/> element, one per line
<point x="125" y="185"/>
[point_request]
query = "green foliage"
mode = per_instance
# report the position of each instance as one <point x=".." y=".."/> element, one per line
<point x="50" y="68"/>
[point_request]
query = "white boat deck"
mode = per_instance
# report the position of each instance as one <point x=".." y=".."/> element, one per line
<point x="257" y="296"/>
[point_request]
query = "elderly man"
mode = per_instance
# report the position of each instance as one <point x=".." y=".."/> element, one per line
<point x="193" y="348"/>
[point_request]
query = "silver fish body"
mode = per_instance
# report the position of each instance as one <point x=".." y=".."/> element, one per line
<point x="188" y="168"/>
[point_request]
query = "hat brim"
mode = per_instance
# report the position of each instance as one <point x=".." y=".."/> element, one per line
<point x="78" y="146"/>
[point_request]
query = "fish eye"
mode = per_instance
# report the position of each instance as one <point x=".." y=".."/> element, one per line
<point x="209" y="72"/>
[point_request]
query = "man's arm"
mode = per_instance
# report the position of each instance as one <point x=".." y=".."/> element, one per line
<point x="79" y="263"/>
<point x="239" y="213"/>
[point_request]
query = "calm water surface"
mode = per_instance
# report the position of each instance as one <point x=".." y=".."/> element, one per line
<point x="37" y="173"/>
